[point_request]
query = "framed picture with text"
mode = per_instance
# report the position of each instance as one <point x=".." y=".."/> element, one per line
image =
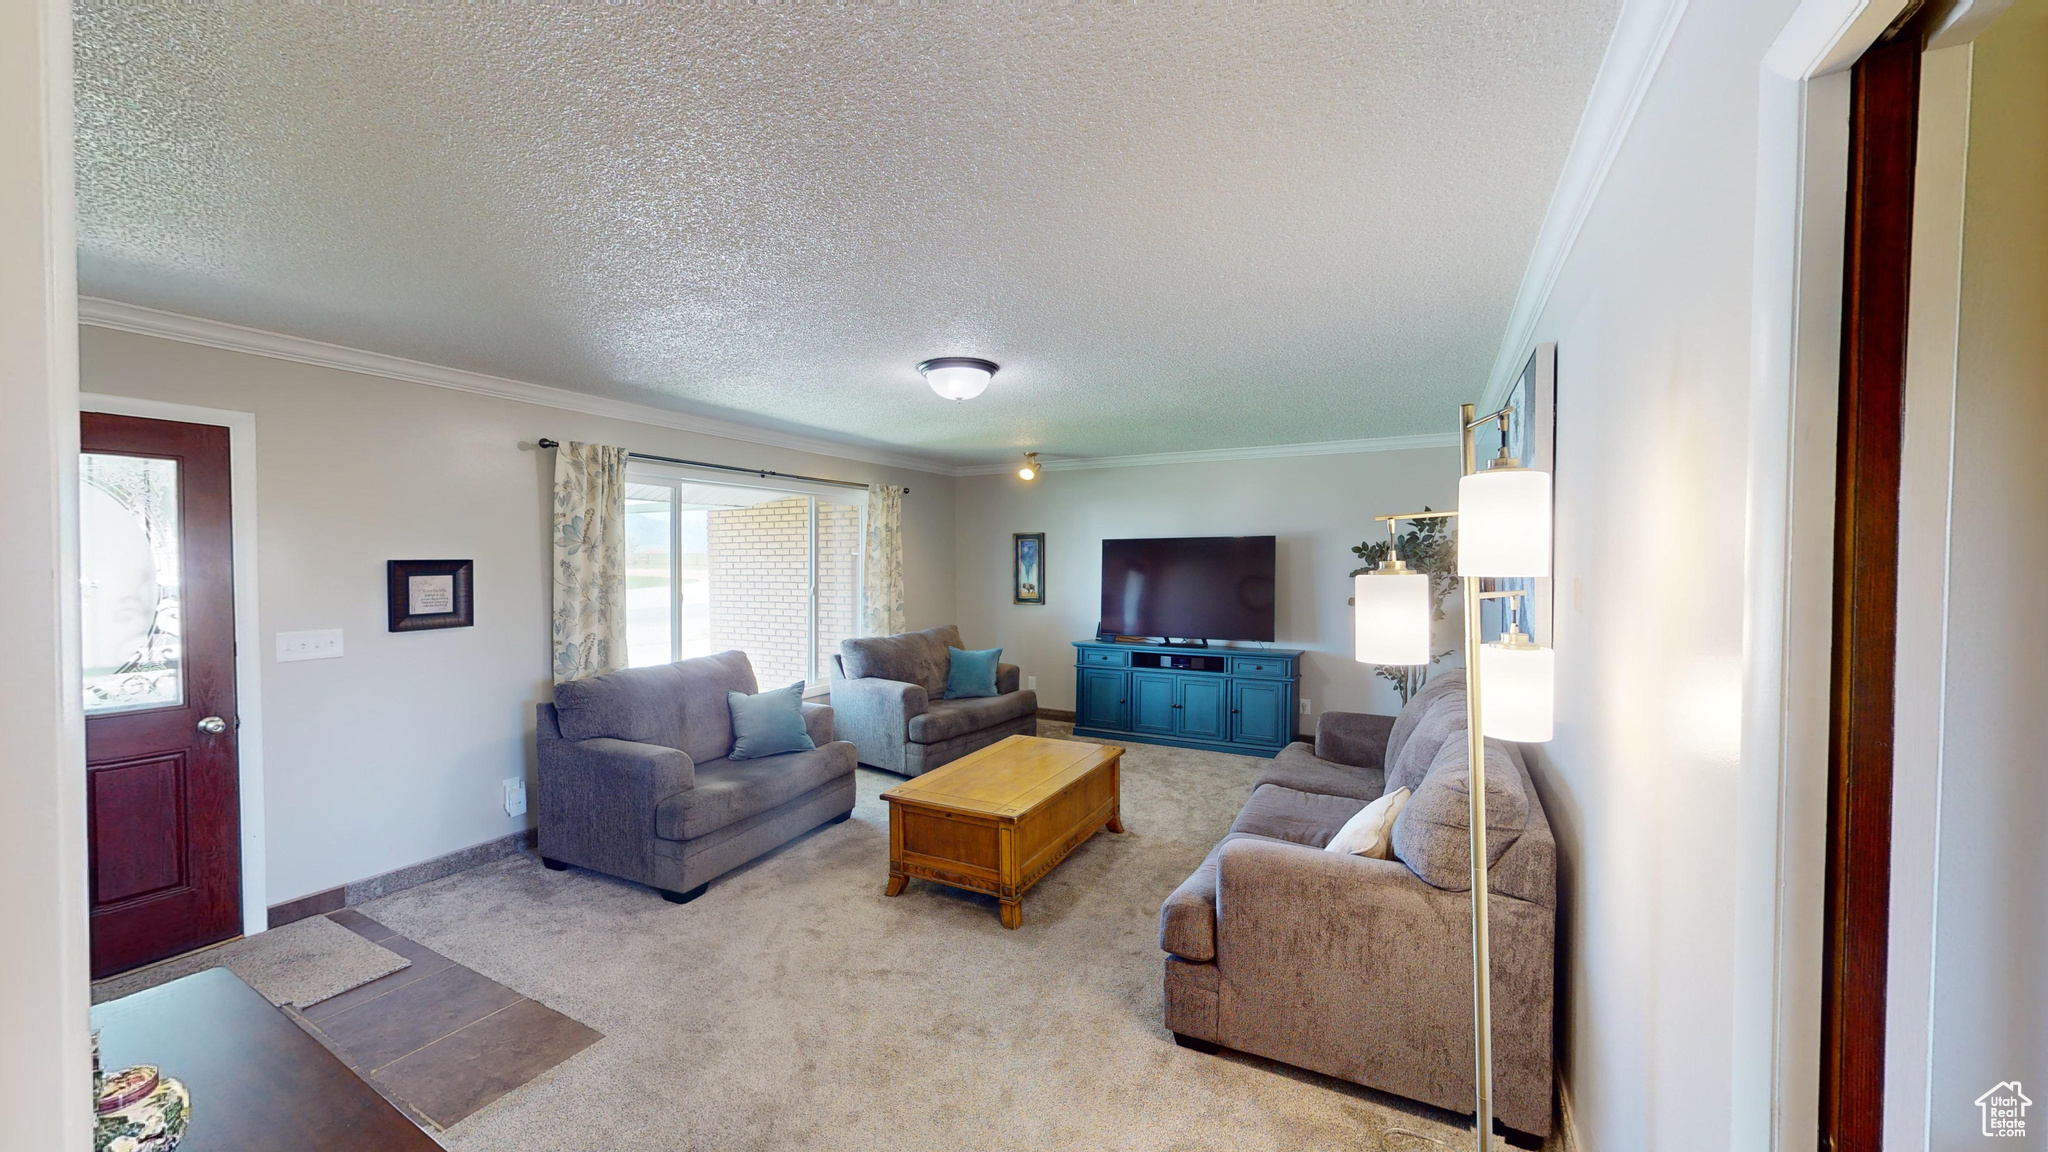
<point x="1028" y="577"/>
<point x="430" y="594"/>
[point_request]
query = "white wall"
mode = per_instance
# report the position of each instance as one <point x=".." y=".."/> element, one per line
<point x="1318" y="507"/>
<point x="1990" y="1005"/>
<point x="1651" y="315"/>
<point x="394" y="753"/>
<point x="45" y="1090"/>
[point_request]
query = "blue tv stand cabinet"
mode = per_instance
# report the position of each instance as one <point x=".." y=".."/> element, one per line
<point x="1239" y="700"/>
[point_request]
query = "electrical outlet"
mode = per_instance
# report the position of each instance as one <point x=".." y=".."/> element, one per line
<point x="515" y="797"/>
<point x="1304" y="706"/>
<point x="1031" y="682"/>
<point x="322" y="644"/>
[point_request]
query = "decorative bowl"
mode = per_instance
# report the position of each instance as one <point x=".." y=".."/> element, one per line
<point x="139" y="1110"/>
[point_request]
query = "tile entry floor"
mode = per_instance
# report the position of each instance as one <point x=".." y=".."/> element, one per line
<point x="437" y="1039"/>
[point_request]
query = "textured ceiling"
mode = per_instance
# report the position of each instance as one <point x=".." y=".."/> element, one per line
<point x="1176" y="228"/>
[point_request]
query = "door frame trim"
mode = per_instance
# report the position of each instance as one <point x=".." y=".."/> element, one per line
<point x="241" y="428"/>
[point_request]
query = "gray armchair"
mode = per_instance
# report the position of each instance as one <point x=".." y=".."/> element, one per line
<point x="635" y="783"/>
<point x="888" y="698"/>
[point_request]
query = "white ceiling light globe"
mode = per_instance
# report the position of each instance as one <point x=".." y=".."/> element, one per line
<point x="958" y="377"/>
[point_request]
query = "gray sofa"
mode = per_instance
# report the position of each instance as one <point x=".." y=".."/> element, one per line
<point x="888" y="697"/>
<point x="1361" y="968"/>
<point x="634" y="780"/>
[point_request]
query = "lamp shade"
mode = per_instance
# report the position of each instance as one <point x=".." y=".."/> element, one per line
<point x="1504" y="523"/>
<point x="1517" y="691"/>
<point x="1391" y="617"/>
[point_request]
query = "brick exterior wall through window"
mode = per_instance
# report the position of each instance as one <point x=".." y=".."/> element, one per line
<point x="760" y="565"/>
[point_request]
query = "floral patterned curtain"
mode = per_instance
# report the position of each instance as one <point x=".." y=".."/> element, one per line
<point x="590" y="560"/>
<point x="882" y="571"/>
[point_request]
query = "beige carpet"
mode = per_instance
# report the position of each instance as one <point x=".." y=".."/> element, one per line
<point x="300" y="963"/>
<point x="793" y="1006"/>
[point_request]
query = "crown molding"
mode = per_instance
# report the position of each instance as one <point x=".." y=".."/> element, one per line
<point x="114" y="314"/>
<point x="134" y="318"/>
<point x="1207" y="455"/>
<point x="1642" y="34"/>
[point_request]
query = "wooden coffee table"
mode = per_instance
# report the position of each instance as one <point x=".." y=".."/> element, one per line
<point x="997" y="820"/>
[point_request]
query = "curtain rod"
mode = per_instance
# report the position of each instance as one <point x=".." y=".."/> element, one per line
<point x="763" y="473"/>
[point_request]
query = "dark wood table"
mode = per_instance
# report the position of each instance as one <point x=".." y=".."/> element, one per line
<point x="258" y="1081"/>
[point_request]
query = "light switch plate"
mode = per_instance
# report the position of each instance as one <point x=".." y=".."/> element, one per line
<point x="1031" y="682"/>
<point x="321" y="644"/>
<point x="1304" y="712"/>
<point x="515" y="797"/>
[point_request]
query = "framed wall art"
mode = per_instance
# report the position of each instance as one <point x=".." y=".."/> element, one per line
<point x="1532" y="439"/>
<point x="426" y="594"/>
<point x="1028" y="573"/>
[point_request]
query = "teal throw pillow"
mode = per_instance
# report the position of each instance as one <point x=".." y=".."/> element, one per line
<point x="971" y="673"/>
<point x="768" y="723"/>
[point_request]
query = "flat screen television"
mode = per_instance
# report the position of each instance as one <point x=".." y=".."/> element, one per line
<point x="1189" y="587"/>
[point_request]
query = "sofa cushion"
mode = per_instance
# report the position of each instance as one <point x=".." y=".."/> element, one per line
<point x="1412" y="713"/>
<point x="945" y="719"/>
<point x="1433" y="834"/>
<point x="971" y="674"/>
<point x="680" y="705"/>
<point x="912" y="657"/>
<point x="1297" y="817"/>
<point x="1355" y="738"/>
<point x="1443" y="714"/>
<point x="768" y="723"/>
<point x="730" y="790"/>
<point x="1370" y="832"/>
<point x="1187" y="921"/>
<point x="1299" y="768"/>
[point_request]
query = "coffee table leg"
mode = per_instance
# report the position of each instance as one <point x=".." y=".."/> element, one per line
<point x="1013" y="913"/>
<point x="1116" y="823"/>
<point x="897" y="883"/>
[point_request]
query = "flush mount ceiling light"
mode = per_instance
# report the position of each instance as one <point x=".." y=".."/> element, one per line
<point x="958" y="377"/>
<point x="1030" y="469"/>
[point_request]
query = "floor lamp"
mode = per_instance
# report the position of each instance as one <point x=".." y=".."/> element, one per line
<point x="1504" y="521"/>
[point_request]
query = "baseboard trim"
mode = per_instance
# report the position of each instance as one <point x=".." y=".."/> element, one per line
<point x="1059" y="714"/>
<point x="307" y="907"/>
<point x="411" y="876"/>
<point x="1567" y="1123"/>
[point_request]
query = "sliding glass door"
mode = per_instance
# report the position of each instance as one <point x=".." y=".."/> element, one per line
<point x="772" y="572"/>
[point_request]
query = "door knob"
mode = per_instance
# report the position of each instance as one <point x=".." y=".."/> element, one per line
<point x="213" y="725"/>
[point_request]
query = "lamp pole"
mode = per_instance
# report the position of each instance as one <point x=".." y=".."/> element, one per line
<point x="1482" y="959"/>
<point x="1505" y="529"/>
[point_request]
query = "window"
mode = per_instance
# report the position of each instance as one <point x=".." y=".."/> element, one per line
<point x="773" y="572"/>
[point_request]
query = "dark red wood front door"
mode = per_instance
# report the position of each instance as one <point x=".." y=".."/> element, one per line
<point x="157" y="624"/>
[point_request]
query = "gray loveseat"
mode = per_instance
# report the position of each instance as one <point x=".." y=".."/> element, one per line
<point x="1362" y="968"/>
<point x="888" y="696"/>
<point x="634" y="780"/>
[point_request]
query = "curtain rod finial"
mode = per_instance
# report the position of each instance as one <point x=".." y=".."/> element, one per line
<point x="546" y="443"/>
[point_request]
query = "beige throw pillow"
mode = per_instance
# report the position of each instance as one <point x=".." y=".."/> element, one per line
<point x="1371" y="832"/>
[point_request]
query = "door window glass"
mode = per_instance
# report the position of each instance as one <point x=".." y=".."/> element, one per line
<point x="129" y="570"/>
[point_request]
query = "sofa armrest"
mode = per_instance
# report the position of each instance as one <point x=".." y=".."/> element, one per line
<point x="1356" y="967"/>
<point x="875" y="714"/>
<point x="1009" y="678"/>
<point x="818" y="723"/>
<point x="598" y="797"/>
<point x="1355" y="738"/>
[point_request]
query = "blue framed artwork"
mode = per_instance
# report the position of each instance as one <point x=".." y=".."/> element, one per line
<point x="1028" y="577"/>
<point x="1532" y="439"/>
